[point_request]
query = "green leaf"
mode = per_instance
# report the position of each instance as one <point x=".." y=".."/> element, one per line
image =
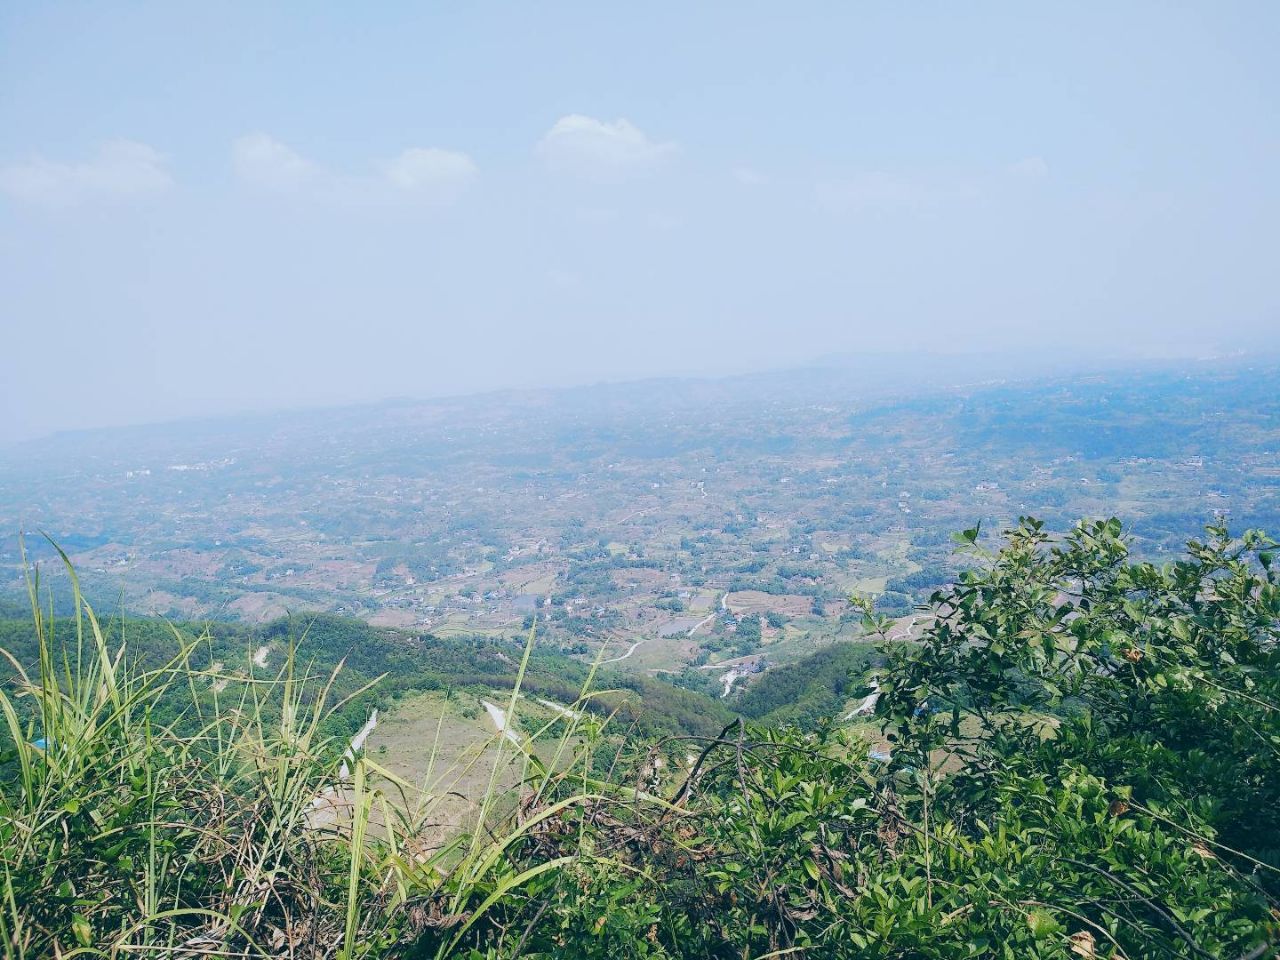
<point x="82" y="929"/>
<point x="1042" y="924"/>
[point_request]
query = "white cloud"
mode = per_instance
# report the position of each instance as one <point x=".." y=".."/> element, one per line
<point x="266" y="162"/>
<point x="748" y="177"/>
<point x="1030" y="168"/>
<point x="431" y="172"/>
<point x="599" y="150"/>
<point x="425" y="172"/>
<point x="122" y="168"/>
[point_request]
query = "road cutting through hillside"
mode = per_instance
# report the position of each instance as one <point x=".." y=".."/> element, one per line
<point x="499" y="718"/>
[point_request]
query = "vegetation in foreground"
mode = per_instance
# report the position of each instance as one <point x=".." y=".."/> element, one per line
<point x="1085" y="762"/>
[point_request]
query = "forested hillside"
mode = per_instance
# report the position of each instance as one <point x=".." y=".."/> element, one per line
<point x="812" y="690"/>
<point x="391" y="663"/>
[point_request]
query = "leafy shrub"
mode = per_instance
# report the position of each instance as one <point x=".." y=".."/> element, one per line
<point x="1084" y="763"/>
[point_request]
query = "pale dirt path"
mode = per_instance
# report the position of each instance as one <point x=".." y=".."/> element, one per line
<point x="562" y="711"/>
<point x="868" y="704"/>
<point x="730" y="678"/>
<point x="499" y="718"/>
<point x="357" y="742"/>
<point x="724" y="607"/>
<point x="906" y="631"/>
<point x="630" y="651"/>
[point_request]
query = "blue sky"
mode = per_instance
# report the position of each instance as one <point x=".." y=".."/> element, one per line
<point x="212" y="207"/>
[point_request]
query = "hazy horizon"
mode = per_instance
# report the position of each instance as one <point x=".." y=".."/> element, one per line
<point x="889" y="378"/>
<point x="208" y="211"/>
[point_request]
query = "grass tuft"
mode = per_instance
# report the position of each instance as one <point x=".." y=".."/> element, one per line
<point x="236" y="830"/>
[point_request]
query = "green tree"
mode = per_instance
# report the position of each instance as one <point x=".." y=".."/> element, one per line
<point x="1084" y="763"/>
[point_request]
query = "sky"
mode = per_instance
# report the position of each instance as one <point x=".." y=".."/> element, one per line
<point x="213" y="207"/>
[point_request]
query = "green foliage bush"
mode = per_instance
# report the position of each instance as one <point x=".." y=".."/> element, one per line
<point x="1084" y="764"/>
